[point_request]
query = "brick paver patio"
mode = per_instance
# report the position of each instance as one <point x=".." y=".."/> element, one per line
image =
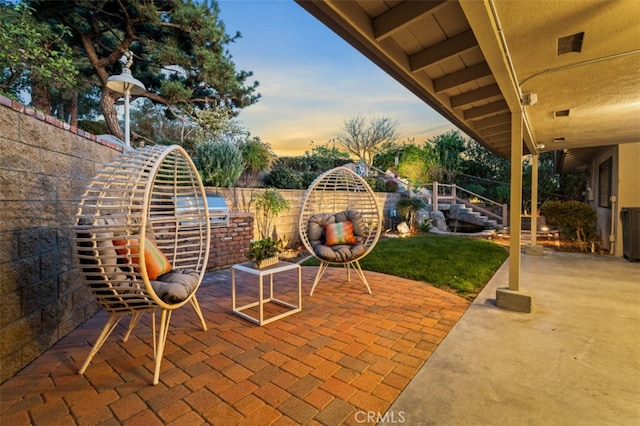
<point x="345" y="354"/>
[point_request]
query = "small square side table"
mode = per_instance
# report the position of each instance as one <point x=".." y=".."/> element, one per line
<point x="261" y="273"/>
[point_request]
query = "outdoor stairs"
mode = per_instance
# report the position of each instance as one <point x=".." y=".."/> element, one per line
<point x="464" y="213"/>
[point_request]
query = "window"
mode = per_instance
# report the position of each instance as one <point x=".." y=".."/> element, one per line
<point x="604" y="183"/>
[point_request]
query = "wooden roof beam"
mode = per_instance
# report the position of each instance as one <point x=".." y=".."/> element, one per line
<point x="446" y="49"/>
<point x="496" y="120"/>
<point x="458" y="78"/>
<point x="485" y="110"/>
<point x="504" y="129"/>
<point x="475" y="96"/>
<point x="401" y="16"/>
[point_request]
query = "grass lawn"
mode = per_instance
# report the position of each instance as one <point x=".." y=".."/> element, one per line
<point x="462" y="265"/>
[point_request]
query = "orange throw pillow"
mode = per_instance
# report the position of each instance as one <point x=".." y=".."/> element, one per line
<point x="339" y="233"/>
<point x="155" y="260"/>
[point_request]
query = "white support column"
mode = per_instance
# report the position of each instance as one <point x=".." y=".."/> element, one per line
<point x="533" y="248"/>
<point x="534" y="199"/>
<point x="515" y="222"/>
<point x="513" y="298"/>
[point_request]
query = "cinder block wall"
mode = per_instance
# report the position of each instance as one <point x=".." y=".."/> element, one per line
<point x="44" y="165"/>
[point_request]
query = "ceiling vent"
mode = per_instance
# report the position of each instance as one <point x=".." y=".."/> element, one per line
<point x="563" y="113"/>
<point x="558" y="140"/>
<point x="570" y="43"/>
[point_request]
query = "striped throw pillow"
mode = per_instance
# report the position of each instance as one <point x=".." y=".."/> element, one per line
<point x="155" y="260"/>
<point x="339" y="233"/>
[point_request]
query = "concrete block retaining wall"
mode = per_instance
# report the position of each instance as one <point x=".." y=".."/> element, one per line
<point x="44" y="166"/>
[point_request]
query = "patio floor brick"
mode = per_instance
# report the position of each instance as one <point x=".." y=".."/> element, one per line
<point x="346" y="351"/>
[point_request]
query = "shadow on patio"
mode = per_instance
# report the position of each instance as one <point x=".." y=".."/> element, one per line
<point x="346" y="353"/>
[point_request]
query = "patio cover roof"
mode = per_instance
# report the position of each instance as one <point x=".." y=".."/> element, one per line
<point x="474" y="61"/>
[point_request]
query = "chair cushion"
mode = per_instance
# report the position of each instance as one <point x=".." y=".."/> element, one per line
<point x="339" y="233"/>
<point x="339" y="252"/>
<point x="156" y="262"/>
<point x="177" y="285"/>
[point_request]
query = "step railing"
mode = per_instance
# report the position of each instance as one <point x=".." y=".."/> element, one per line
<point x="451" y="193"/>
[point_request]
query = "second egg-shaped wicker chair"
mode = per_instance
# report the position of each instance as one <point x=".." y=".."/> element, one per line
<point x="340" y="221"/>
<point x="142" y="239"/>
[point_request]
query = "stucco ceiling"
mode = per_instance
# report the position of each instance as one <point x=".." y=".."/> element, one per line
<point x="475" y="60"/>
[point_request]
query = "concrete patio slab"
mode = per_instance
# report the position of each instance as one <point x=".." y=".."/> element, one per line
<point x="575" y="360"/>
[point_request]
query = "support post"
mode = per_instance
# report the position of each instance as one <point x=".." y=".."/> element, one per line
<point x="515" y="222"/>
<point x="534" y="198"/>
<point x="127" y="125"/>
<point x="513" y="298"/>
<point x="533" y="248"/>
<point x="434" y="197"/>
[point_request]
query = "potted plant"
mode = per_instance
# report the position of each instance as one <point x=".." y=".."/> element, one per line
<point x="268" y="206"/>
<point x="264" y="252"/>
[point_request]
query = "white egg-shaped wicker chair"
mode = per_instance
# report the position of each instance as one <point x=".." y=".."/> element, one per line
<point x="340" y="195"/>
<point x="147" y="203"/>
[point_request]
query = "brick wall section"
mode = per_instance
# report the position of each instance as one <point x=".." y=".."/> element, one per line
<point x="229" y="245"/>
<point x="44" y="166"/>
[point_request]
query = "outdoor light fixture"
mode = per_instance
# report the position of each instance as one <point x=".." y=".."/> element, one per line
<point x="529" y="99"/>
<point x="127" y="85"/>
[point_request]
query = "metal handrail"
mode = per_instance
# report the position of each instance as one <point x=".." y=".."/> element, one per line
<point x="436" y="197"/>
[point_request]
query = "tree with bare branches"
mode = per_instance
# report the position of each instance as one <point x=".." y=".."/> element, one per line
<point x="365" y="137"/>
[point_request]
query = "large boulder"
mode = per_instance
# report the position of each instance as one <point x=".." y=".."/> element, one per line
<point x="437" y="219"/>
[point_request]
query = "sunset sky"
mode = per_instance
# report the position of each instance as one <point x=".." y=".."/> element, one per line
<point x="311" y="80"/>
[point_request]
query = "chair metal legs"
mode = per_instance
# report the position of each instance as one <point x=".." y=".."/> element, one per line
<point x="355" y="265"/>
<point x="135" y="317"/>
<point x="159" y="341"/>
<point x="159" y="335"/>
<point x="112" y="322"/>
<point x="321" y="269"/>
<point x="196" y="307"/>
<point x="358" y="270"/>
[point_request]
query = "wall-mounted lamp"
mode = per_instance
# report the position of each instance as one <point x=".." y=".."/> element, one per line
<point x="529" y="99"/>
<point x="126" y="84"/>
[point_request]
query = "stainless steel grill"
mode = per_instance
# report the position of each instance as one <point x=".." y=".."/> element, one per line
<point x="218" y="211"/>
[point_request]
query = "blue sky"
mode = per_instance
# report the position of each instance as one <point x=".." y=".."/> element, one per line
<point x="311" y="80"/>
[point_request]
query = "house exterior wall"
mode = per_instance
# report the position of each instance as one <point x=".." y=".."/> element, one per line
<point x="628" y="185"/>
<point x="604" y="214"/>
<point x="625" y="187"/>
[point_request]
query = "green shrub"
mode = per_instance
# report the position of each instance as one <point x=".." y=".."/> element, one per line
<point x="407" y="208"/>
<point x="219" y="163"/>
<point x="94" y="126"/>
<point x="284" y="177"/>
<point x="391" y="185"/>
<point x="575" y="220"/>
<point x="308" y="178"/>
<point x="381" y="184"/>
